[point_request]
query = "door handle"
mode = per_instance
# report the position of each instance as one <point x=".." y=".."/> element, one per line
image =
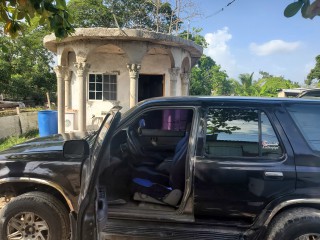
<point x="273" y="175"/>
<point x="154" y="141"/>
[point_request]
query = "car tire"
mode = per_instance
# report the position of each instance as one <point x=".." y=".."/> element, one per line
<point x="295" y="224"/>
<point x="34" y="215"/>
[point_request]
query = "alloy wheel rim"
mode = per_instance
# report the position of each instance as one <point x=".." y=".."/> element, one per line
<point x="309" y="236"/>
<point x="27" y="225"/>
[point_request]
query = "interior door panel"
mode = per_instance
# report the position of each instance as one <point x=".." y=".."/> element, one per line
<point x="160" y="140"/>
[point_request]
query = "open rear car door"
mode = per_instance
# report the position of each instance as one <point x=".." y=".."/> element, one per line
<point x="92" y="202"/>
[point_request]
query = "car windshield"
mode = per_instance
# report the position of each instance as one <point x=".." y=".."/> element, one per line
<point x="127" y="113"/>
<point x="102" y="132"/>
<point x="91" y="138"/>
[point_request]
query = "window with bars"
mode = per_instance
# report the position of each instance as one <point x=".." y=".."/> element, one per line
<point x="102" y="87"/>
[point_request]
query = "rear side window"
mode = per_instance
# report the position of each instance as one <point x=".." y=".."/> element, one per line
<point x="233" y="132"/>
<point x="307" y="118"/>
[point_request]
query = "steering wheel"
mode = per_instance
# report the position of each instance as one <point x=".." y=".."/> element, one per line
<point x="133" y="142"/>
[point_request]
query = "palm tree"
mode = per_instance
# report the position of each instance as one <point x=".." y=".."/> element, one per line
<point x="246" y="80"/>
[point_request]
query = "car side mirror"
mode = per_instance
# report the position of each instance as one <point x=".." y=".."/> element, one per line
<point x="76" y="149"/>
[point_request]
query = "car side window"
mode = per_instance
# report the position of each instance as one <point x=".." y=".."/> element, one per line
<point x="236" y="132"/>
<point x="307" y="118"/>
<point x="166" y="119"/>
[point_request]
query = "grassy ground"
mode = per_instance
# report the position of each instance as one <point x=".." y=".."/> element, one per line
<point x="11" y="141"/>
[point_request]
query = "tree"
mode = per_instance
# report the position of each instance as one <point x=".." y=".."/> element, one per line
<point x="207" y="78"/>
<point x="265" y="74"/>
<point x="51" y="13"/>
<point x="201" y="81"/>
<point x="314" y="73"/>
<point x="195" y="36"/>
<point x="271" y="85"/>
<point x="25" y="66"/>
<point x="222" y="85"/>
<point x="184" y="11"/>
<point x="144" y="14"/>
<point x="90" y="13"/>
<point x="153" y="15"/>
<point x="247" y="87"/>
<point x="236" y="87"/>
<point x="307" y="10"/>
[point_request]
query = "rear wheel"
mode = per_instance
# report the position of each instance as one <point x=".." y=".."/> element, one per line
<point x="34" y="215"/>
<point x="296" y="224"/>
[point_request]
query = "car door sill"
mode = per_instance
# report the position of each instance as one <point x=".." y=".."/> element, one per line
<point x="153" y="215"/>
<point x="130" y="229"/>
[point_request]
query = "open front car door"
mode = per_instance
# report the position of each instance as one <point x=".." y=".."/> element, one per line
<point x="92" y="214"/>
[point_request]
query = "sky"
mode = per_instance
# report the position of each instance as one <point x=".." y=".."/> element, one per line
<point x="253" y="35"/>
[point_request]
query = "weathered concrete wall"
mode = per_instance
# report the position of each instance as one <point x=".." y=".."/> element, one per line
<point x="10" y="126"/>
<point x="28" y="121"/>
<point x="18" y="124"/>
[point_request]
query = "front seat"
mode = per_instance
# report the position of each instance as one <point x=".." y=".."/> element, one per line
<point x="160" y="173"/>
<point x="147" y="190"/>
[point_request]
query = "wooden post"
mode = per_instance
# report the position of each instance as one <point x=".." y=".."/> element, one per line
<point x="18" y="110"/>
<point x="48" y="99"/>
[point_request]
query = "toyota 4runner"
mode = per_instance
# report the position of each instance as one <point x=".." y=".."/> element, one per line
<point x="172" y="168"/>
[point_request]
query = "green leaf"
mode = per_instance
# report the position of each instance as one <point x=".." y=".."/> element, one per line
<point x="28" y="19"/>
<point x="42" y="21"/>
<point x="61" y="4"/>
<point x="304" y="10"/>
<point x="4" y="49"/>
<point x="60" y="33"/>
<point x="11" y="9"/>
<point x="292" y="9"/>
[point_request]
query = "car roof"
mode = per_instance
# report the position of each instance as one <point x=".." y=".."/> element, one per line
<point x="194" y="101"/>
<point x="198" y="100"/>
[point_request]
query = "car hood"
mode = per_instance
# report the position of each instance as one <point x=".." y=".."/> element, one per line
<point x="42" y="148"/>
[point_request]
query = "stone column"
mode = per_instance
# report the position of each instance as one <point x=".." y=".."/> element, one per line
<point x="134" y="76"/>
<point x="81" y="73"/>
<point x="174" y="72"/>
<point x="67" y="80"/>
<point x="185" y="82"/>
<point x="60" y="72"/>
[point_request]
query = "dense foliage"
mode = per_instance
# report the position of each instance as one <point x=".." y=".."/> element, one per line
<point x="207" y="78"/>
<point x="150" y="15"/>
<point x="314" y="75"/>
<point x="195" y="36"/>
<point x="51" y="13"/>
<point x="25" y="71"/>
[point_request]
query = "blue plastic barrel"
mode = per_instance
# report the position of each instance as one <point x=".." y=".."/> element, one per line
<point x="47" y="122"/>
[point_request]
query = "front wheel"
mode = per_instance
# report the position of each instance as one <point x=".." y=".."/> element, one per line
<point x="34" y="215"/>
<point x="295" y="224"/>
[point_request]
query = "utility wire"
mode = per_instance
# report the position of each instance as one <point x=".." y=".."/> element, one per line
<point x="221" y="10"/>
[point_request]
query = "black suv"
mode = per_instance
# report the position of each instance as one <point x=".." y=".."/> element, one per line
<point x="173" y="168"/>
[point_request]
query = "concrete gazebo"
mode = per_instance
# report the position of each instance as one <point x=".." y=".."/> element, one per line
<point x="98" y="68"/>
